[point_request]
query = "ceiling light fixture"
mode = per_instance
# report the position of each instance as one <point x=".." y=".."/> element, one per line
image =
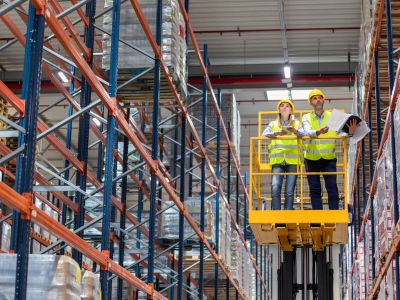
<point x="286" y="71"/>
<point x="63" y="77"/>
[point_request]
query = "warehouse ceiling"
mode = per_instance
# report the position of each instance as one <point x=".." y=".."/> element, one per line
<point x="257" y="37"/>
<point x="249" y="42"/>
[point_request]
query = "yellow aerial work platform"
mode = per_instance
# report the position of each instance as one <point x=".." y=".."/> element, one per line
<point x="302" y="226"/>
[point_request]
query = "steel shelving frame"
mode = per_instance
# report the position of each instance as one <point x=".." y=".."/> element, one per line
<point x="373" y="90"/>
<point x="51" y="15"/>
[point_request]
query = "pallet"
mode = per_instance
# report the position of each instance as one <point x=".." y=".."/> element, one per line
<point x="3" y="112"/>
<point x="141" y="91"/>
<point x="189" y="244"/>
<point x="165" y="242"/>
<point x="12" y="144"/>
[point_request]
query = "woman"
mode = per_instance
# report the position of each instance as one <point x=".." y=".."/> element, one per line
<point x="283" y="154"/>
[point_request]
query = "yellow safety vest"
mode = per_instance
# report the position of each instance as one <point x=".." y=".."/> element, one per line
<point x="319" y="148"/>
<point x="283" y="150"/>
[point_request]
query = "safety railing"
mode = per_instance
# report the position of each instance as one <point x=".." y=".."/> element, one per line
<point x="261" y="172"/>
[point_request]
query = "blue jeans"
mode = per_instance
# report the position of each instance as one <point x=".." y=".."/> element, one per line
<point x="277" y="181"/>
<point x="314" y="182"/>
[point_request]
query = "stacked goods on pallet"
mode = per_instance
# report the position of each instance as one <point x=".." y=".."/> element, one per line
<point x="49" y="277"/>
<point x="397" y="134"/>
<point x="368" y="254"/>
<point x="360" y="275"/>
<point x="224" y="232"/>
<point x="383" y="208"/>
<point x="169" y="220"/>
<point x="52" y="213"/>
<point x="90" y="286"/>
<point x="5" y="237"/>
<point x="368" y="15"/>
<point x="236" y="252"/>
<point x="229" y="113"/>
<point x="173" y="43"/>
<point x="343" y="273"/>
<point x="44" y="235"/>
<point x="351" y="158"/>
<point x="3" y="112"/>
<point x="390" y="282"/>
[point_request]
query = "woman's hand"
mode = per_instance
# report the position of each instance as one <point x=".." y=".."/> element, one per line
<point x="352" y="126"/>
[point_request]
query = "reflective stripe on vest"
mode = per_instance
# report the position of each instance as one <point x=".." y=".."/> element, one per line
<point x="320" y="148"/>
<point x="283" y="150"/>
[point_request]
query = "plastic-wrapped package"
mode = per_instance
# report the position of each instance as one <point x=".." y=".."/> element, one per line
<point x="387" y="154"/>
<point x="169" y="220"/>
<point x="351" y="157"/>
<point x="36" y="228"/>
<point x="360" y="268"/>
<point x="90" y="286"/>
<point x="50" y="277"/>
<point x="397" y="134"/>
<point x="36" y="246"/>
<point x="229" y="112"/>
<point x="368" y="254"/>
<point x="368" y="19"/>
<point x="131" y="32"/>
<point x="47" y="211"/>
<point x="5" y="237"/>
<point x="127" y="291"/>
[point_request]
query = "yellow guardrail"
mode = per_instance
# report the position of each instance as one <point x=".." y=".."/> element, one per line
<point x="260" y="168"/>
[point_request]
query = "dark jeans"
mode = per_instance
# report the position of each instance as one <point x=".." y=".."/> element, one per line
<point x="322" y="165"/>
<point x="277" y="181"/>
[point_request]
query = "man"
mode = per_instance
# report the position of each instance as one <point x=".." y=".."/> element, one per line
<point x="320" y="154"/>
<point x="283" y="153"/>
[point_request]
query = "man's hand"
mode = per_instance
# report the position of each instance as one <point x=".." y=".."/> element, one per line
<point x="352" y="126"/>
<point x="278" y="133"/>
<point x="291" y="129"/>
<point x="323" y="130"/>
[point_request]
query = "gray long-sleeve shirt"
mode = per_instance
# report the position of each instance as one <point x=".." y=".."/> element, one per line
<point x="268" y="132"/>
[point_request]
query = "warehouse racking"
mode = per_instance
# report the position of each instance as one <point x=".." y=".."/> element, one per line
<point x="370" y="262"/>
<point x="148" y="178"/>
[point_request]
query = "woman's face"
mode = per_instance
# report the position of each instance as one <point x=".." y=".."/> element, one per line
<point x="285" y="109"/>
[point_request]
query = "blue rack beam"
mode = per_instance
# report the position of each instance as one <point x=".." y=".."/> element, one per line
<point x="26" y="162"/>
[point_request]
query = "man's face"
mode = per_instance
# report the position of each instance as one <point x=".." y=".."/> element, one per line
<point x="285" y="108"/>
<point x="317" y="102"/>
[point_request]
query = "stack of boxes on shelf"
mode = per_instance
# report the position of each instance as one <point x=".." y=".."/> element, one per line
<point x="5" y="237"/>
<point x="169" y="220"/>
<point x="173" y="44"/>
<point x="128" y="291"/>
<point x="224" y="233"/>
<point x="343" y="273"/>
<point x="49" y="277"/>
<point x="43" y="234"/>
<point x="368" y="16"/>
<point x="3" y="112"/>
<point x="397" y="134"/>
<point x="248" y="273"/>
<point x="368" y="254"/>
<point x="241" y="267"/>
<point x="90" y="286"/>
<point x="229" y="113"/>
<point x="236" y="257"/>
<point x="383" y="208"/>
<point x="359" y="273"/>
<point x="232" y="251"/>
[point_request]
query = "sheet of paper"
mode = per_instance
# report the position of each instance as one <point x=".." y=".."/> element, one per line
<point x="361" y="131"/>
<point x="336" y="120"/>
